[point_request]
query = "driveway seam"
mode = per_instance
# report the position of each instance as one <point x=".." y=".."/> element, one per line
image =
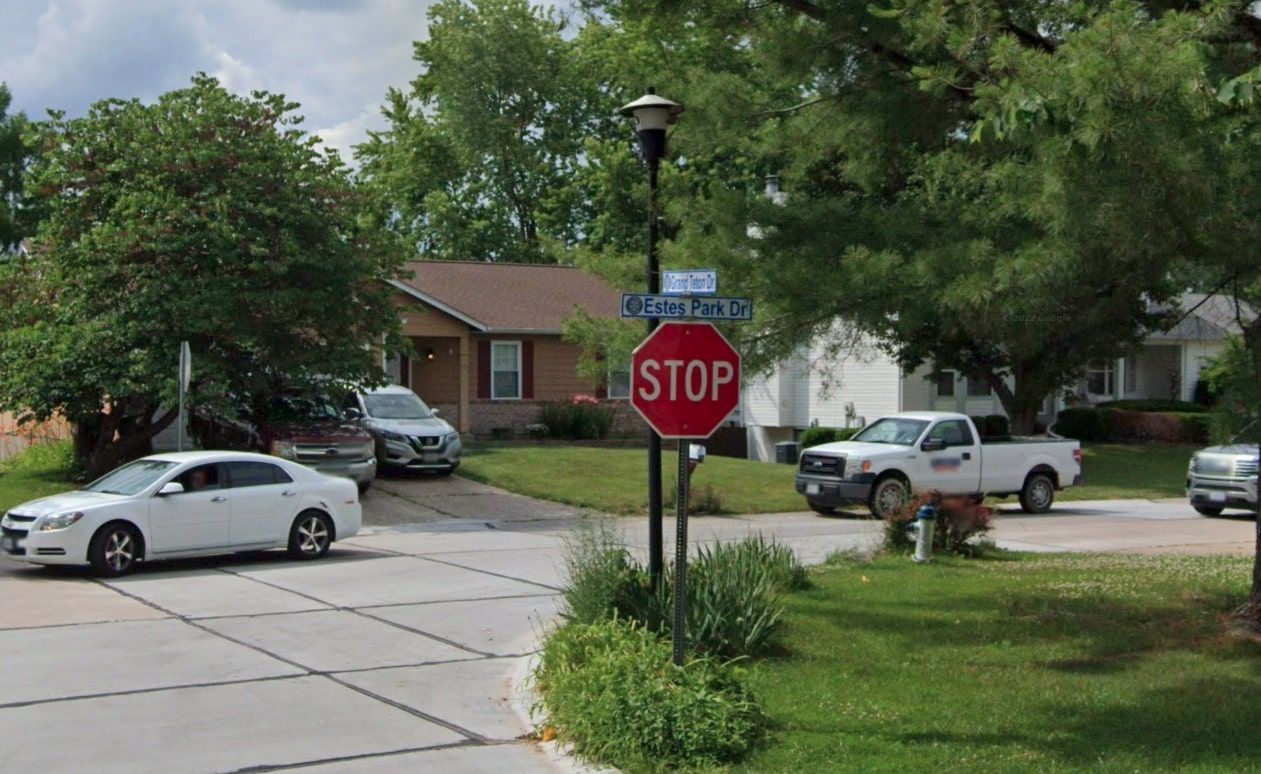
<point x="471" y="743"/>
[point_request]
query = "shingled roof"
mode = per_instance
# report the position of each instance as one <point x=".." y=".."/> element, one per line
<point x="508" y="297"/>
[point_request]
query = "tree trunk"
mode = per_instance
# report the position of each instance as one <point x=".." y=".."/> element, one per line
<point x="1021" y="404"/>
<point x="108" y="439"/>
<point x="1248" y="615"/>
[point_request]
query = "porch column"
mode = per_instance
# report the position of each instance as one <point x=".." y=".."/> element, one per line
<point x="466" y="384"/>
<point x="1119" y="389"/>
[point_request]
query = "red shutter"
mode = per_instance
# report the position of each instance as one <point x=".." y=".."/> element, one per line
<point x="483" y="370"/>
<point x="527" y="370"/>
<point x="602" y="385"/>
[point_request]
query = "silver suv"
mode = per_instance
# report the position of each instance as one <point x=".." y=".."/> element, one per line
<point x="1222" y="477"/>
<point x="408" y="434"/>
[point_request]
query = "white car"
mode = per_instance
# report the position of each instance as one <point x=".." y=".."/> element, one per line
<point x="187" y="504"/>
<point x="895" y="455"/>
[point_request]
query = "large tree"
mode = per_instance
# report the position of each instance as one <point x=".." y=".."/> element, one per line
<point x="204" y="217"/>
<point x="17" y="214"/>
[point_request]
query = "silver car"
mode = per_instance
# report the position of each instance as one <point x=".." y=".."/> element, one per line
<point x="409" y="435"/>
<point x="1223" y="477"/>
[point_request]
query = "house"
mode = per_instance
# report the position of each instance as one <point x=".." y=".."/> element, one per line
<point x="815" y="387"/>
<point x="487" y="349"/>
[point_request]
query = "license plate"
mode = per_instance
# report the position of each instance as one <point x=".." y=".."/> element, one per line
<point x="1217" y="497"/>
<point x="13" y="544"/>
<point x="812" y="488"/>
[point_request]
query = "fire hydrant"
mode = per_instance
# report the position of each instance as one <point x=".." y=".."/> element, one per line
<point x="927" y="517"/>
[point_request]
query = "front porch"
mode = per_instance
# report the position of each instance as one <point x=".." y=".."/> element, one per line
<point x="1156" y="370"/>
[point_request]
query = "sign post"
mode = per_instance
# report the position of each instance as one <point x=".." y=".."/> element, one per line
<point x="186" y="378"/>
<point x="685" y="380"/>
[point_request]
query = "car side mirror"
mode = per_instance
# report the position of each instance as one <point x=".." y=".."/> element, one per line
<point x="435" y="411"/>
<point x="933" y="444"/>
<point x="171" y="488"/>
<point x="353" y="413"/>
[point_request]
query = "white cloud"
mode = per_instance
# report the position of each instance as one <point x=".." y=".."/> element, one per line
<point x="335" y="57"/>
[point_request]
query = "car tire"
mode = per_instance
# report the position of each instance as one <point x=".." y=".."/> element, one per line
<point x="115" y="550"/>
<point x="364" y="487"/>
<point x="888" y="495"/>
<point x="1038" y="493"/>
<point x="311" y="535"/>
<point x="821" y="509"/>
<point x="1205" y="510"/>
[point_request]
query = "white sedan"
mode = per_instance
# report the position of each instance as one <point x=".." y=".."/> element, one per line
<point x="188" y="504"/>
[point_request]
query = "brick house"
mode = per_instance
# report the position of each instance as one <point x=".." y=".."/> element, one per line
<point x="487" y="349"/>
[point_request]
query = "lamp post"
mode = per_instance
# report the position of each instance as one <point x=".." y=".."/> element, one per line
<point x="651" y="115"/>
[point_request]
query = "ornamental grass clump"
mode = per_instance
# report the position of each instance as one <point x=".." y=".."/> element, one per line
<point x="610" y="691"/>
<point x="959" y="521"/>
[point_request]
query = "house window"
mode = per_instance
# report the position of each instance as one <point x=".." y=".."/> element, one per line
<point x="1101" y="377"/>
<point x="946" y="384"/>
<point x="619" y="382"/>
<point x="505" y="370"/>
<point x="978" y="388"/>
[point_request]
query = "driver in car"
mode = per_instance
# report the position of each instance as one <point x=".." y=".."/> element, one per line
<point x="197" y="479"/>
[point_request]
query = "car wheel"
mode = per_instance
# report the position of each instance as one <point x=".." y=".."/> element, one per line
<point x="1038" y="493"/>
<point x="364" y="487"/>
<point x="820" y="508"/>
<point x="887" y="496"/>
<point x="114" y="550"/>
<point x="311" y="535"/>
<point x="1205" y="510"/>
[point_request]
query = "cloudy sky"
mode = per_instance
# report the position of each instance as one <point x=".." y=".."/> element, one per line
<point x="336" y="57"/>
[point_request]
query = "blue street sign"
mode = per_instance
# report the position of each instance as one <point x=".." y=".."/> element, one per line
<point x="690" y="282"/>
<point x="663" y="307"/>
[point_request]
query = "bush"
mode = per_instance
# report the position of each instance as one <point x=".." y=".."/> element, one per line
<point x="992" y="426"/>
<point x="706" y="499"/>
<point x="610" y="690"/>
<point x="582" y="418"/>
<point x="1124" y="426"/>
<point x="959" y="519"/>
<point x="733" y="589"/>
<point x="1163" y="406"/>
<point x="814" y="436"/>
<point x="1084" y="424"/>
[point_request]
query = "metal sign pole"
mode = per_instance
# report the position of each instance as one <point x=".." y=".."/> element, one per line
<point x="678" y="635"/>
<point x="186" y="368"/>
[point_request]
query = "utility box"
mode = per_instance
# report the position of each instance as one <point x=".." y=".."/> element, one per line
<point x="786" y="452"/>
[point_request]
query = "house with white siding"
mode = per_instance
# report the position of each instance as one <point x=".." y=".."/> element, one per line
<point x="819" y="386"/>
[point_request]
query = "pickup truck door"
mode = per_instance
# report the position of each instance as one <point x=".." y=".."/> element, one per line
<point x="950" y="459"/>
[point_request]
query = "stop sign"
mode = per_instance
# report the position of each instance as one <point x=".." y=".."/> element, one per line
<point x="685" y="379"/>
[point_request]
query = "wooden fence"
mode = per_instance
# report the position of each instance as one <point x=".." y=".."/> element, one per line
<point x="14" y="437"/>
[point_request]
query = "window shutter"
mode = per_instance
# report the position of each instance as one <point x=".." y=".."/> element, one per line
<point x="527" y="370"/>
<point x="483" y="370"/>
<point x="602" y="386"/>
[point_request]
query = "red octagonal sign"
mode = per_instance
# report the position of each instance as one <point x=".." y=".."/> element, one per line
<point x="685" y="379"/>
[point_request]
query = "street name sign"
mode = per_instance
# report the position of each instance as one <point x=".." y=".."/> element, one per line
<point x="665" y="307"/>
<point x="691" y="282"/>
<point x="685" y="379"/>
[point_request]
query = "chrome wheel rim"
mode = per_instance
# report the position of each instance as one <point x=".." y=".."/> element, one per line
<point x="1040" y="494"/>
<point x="890" y="497"/>
<point x="312" y="535"/>
<point x="120" y="550"/>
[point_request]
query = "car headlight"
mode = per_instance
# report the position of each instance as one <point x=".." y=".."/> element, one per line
<point x="389" y="436"/>
<point x="284" y="449"/>
<point x="453" y="436"/>
<point x="59" y="522"/>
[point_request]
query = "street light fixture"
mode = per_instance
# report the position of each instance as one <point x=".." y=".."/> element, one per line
<point x="651" y="115"/>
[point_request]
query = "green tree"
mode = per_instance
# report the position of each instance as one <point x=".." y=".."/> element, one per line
<point x="17" y="214"/>
<point x="205" y="217"/>
<point x="477" y="161"/>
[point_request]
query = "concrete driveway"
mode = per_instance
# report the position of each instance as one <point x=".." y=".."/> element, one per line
<point x="397" y="651"/>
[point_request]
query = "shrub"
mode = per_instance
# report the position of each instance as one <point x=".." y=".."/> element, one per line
<point x="996" y="426"/>
<point x="581" y="418"/>
<point x="959" y="519"/>
<point x="610" y="690"/>
<point x="1126" y="426"/>
<point x="1084" y="424"/>
<point x="1180" y="406"/>
<point x="814" y="436"/>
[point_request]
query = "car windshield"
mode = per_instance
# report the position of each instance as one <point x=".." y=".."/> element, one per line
<point x="295" y="408"/>
<point x="130" y="479"/>
<point x="899" y="432"/>
<point x="395" y="406"/>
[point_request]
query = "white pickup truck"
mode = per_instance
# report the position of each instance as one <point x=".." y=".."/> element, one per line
<point x="919" y="451"/>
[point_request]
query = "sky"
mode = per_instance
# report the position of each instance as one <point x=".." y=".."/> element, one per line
<point x="335" y="57"/>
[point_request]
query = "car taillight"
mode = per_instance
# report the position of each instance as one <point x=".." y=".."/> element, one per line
<point x="1077" y="457"/>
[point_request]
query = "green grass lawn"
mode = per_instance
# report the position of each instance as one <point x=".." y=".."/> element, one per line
<point x="615" y="480"/>
<point x="1013" y="663"/>
<point x="37" y="472"/>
